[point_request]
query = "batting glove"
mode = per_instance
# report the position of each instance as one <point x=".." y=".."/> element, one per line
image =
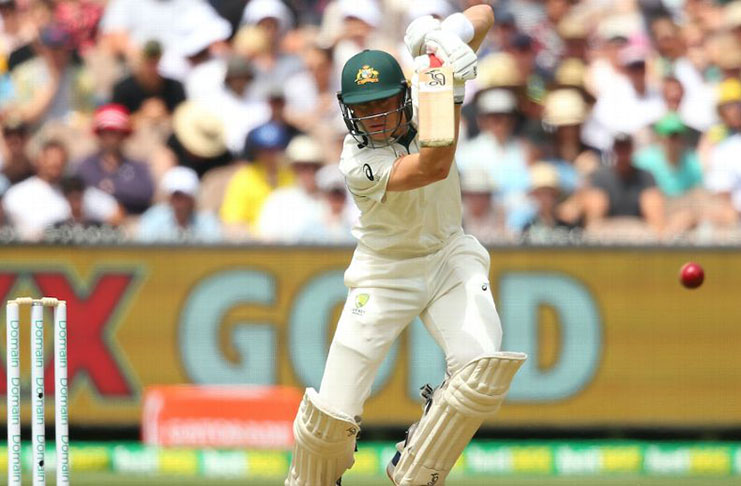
<point x="423" y="62"/>
<point x="414" y="38"/>
<point x="453" y="52"/>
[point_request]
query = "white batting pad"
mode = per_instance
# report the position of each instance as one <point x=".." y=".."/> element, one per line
<point x="325" y="444"/>
<point x="458" y="409"/>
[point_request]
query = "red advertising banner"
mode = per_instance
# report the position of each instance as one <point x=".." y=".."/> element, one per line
<point x="257" y="417"/>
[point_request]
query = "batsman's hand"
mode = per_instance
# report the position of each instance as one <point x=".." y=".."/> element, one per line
<point x="414" y="38"/>
<point x="420" y="64"/>
<point x="453" y="52"/>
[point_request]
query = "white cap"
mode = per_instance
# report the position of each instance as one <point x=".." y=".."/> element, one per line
<point x="496" y="100"/>
<point x="543" y="174"/>
<point x="180" y="179"/>
<point x="258" y="10"/>
<point x="365" y="10"/>
<point x="436" y="8"/>
<point x="330" y="177"/>
<point x="614" y="26"/>
<point x="477" y="180"/>
<point x="304" y="148"/>
<point x="200" y="27"/>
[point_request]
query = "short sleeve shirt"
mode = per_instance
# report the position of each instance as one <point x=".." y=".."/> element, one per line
<point x="399" y="223"/>
<point x="624" y="194"/>
<point x="673" y="180"/>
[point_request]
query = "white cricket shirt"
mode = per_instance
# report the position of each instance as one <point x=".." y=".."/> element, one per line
<point x="399" y="224"/>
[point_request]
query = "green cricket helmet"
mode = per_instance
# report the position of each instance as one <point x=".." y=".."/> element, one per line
<point x="370" y="76"/>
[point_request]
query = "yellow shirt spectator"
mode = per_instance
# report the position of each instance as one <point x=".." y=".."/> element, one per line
<point x="247" y="191"/>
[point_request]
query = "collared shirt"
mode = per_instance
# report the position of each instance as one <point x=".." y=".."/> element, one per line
<point x="399" y="223"/>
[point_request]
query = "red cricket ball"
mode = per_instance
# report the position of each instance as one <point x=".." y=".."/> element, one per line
<point x="691" y="275"/>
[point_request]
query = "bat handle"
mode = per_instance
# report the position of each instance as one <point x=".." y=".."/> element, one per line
<point x="435" y="61"/>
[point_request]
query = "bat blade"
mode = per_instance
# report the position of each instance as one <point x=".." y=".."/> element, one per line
<point x="436" y="106"/>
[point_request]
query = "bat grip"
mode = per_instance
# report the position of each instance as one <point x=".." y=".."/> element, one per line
<point x="435" y="61"/>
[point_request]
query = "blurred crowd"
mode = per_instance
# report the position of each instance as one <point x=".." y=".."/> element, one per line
<point x="217" y="121"/>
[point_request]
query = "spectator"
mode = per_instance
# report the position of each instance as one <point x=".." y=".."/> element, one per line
<point x="728" y="101"/>
<point x="672" y="61"/>
<point x="674" y="166"/>
<point x="109" y="170"/>
<point x="333" y="225"/>
<point x="251" y="185"/>
<point x="630" y="104"/>
<point x="125" y="29"/>
<point x="198" y="140"/>
<point x="573" y="31"/>
<point x="239" y="113"/>
<point x="277" y="103"/>
<point x="357" y="28"/>
<point x="725" y="51"/>
<point x="534" y="75"/>
<point x="80" y="18"/>
<point x="17" y="164"/>
<point x="546" y="193"/>
<point x="724" y="171"/>
<point x="695" y="112"/>
<point x="202" y="30"/>
<point x="316" y="103"/>
<point x="177" y="219"/>
<point x="549" y="44"/>
<point x="303" y="202"/>
<point x="37" y="203"/>
<point x="571" y="74"/>
<point x="623" y="191"/>
<point x="564" y="114"/>
<point x="50" y="86"/>
<point x="499" y="152"/>
<point x="502" y="32"/>
<point x="146" y="92"/>
<point x="18" y="31"/>
<point x="272" y="66"/>
<point x="481" y="217"/>
<point x="73" y="190"/>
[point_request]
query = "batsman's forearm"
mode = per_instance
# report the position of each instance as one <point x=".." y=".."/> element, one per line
<point x="482" y="18"/>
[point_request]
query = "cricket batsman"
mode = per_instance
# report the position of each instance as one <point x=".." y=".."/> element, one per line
<point x="412" y="259"/>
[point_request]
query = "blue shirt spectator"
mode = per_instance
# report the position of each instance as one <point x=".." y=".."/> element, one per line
<point x="177" y="220"/>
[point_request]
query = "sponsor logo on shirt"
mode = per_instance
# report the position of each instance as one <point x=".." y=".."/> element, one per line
<point x="368" y="172"/>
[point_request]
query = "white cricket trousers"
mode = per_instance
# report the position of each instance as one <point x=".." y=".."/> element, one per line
<point x="449" y="291"/>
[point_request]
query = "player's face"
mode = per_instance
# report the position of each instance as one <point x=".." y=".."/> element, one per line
<point x="381" y="118"/>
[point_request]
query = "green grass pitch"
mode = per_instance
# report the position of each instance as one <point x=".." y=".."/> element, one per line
<point x="99" y="479"/>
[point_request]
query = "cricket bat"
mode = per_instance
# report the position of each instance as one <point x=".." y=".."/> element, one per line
<point x="435" y="104"/>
